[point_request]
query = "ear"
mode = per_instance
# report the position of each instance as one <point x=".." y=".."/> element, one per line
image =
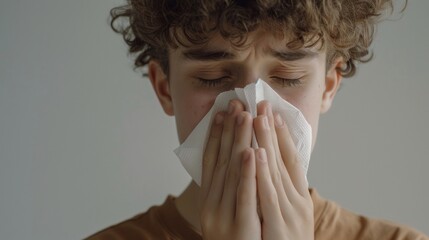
<point x="161" y="86"/>
<point x="332" y="83"/>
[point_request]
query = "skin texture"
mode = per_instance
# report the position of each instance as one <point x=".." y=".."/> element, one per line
<point x="237" y="180"/>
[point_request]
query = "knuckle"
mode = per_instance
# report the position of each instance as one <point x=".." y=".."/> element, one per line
<point x="305" y="208"/>
<point x="207" y="161"/>
<point x="276" y="178"/>
<point x="208" y="218"/>
<point x="271" y="198"/>
<point x="229" y="126"/>
<point x="242" y="197"/>
<point x="215" y="136"/>
<point x="215" y="131"/>
<point x="213" y="140"/>
<point x="222" y="163"/>
<point x="232" y="176"/>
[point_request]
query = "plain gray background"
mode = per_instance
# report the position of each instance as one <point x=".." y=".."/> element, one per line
<point x="84" y="143"/>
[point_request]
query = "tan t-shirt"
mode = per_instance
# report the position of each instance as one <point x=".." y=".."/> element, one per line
<point x="331" y="223"/>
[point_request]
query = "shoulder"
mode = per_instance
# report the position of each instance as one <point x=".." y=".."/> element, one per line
<point x="147" y="225"/>
<point x="335" y="222"/>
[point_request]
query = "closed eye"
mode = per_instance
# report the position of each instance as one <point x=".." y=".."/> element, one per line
<point x="212" y="82"/>
<point x="288" y="82"/>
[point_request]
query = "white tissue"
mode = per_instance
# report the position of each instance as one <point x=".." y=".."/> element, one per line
<point x="191" y="151"/>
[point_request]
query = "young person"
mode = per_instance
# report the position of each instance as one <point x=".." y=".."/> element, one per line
<point x="196" y="49"/>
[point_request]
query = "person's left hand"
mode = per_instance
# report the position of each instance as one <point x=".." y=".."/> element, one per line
<point x="285" y="202"/>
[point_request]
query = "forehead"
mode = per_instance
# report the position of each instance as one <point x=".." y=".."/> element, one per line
<point x="261" y="42"/>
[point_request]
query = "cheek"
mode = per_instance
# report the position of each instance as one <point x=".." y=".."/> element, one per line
<point x="190" y="110"/>
<point x="309" y="102"/>
<point x="309" y="107"/>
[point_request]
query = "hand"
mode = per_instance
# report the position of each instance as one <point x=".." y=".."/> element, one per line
<point x="228" y="190"/>
<point x="285" y="202"/>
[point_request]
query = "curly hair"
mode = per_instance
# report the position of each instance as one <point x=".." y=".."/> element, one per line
<point x="344" y="27"/>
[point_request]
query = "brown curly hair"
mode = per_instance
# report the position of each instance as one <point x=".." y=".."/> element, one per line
<point x="344" y="27"/>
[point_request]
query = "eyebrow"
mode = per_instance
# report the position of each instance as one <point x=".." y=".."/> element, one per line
<point x="207" y="55"/>
<point x="294" y="55"/>
<point x="217" y="55"/>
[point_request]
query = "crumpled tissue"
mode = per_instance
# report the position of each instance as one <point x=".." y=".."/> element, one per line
<point x="191" y="151"/>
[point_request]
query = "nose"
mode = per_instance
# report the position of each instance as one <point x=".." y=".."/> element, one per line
<point x="248" y="70"/>
<point x="247" y="78"/>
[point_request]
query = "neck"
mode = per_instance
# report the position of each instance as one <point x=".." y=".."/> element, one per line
<point x="188" y="205"/>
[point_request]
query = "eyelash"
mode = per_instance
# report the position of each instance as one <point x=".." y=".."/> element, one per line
<point x="212" y="82"/>
<point x="288" y="82"/>
<point x="285" y="82"/>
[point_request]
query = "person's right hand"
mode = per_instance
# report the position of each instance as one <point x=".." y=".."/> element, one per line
<point x="228" y="190"/>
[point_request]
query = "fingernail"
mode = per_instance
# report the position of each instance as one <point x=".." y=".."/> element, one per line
<point x="279" y="121"/>
<point x="265" y="122"/>
<point x="246" y="154"/>
<point x="231" y="108"/>
<point x="261" y="155"/>
<point x="268" y="109"/>
<point x="218" y="118"/>
<point x="240" y="118"/>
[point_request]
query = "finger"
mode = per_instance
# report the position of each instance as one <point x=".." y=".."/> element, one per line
<point x="242" y="141"/>
<point x="267" y="194"/>
<point x="227" y="140"/>
<point x="265" y="108"/>
<point x="246" y="191"/>
<point x="264" y="138"/>
<point x="267" y="138"/>
<point x="296" y="176"/>
<point x="211" y="153"/>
